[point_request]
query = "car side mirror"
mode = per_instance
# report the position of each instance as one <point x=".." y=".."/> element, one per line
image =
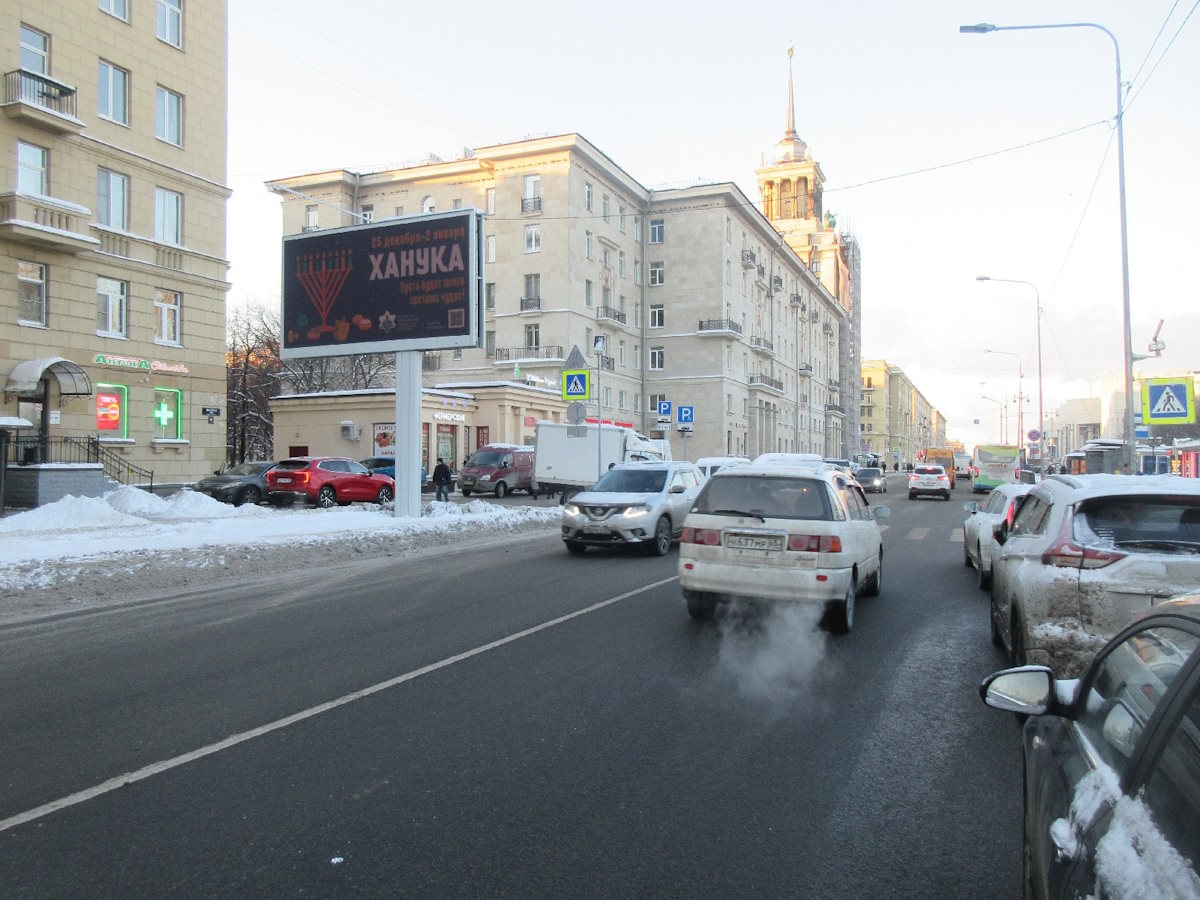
<point x="676" y="489"/>
<point x="971" y="506"/>
<point x="881" y="512"/>
<point x="1028" y="690"/>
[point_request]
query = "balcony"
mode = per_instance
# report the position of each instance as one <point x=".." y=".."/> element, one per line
<point x="608" y="312"/>
<point x="748" y="259"/>
<point x="804" y="368"/>
<point x="606" y="362"/>
<point x="722" y="326"/>
<point x="761" y="271"/>
<point x="835" y="408"/>
<point x="531" y="204"/>
<point x="760" y="380"/>
<point x="40" y="100"/>
<point x="46" y="222"/>
<point x="827" y="328"/>
<point x="431" y="362"/>
<point x="761" y="343"/>
<point x="777" y="282"/>
<point x="834" y="384"/>
<point x="552" y="353"/>
<point x="531" y="304"/>
<point x="796" y="300"/>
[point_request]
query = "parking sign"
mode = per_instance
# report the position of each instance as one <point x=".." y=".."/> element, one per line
<point x="687" y="416"/>
<point x="664" y="412"/>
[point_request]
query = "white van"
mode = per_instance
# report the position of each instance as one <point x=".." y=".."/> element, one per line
<point x="710" y="464"/>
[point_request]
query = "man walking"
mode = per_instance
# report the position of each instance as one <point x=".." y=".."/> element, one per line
<point x="441" y="480"/>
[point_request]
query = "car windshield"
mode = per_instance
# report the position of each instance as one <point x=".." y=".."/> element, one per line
<point x="868" y="473"/>
<point x="250" y="468"/>
<point x="1152" y="523"/>
<point x="485" y="458"/>
<point x="766" y="496"/>
<point x="632" y="481"/>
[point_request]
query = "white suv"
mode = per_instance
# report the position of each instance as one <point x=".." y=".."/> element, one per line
<point x="781" y="533"/>
<point x="632" y="503"/>
<point x="1084" y="554"/>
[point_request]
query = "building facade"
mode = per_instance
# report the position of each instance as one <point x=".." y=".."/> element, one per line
<point x="698" y="299"/>
<point x="898" y="422"/>
<point x="112" y="233"/>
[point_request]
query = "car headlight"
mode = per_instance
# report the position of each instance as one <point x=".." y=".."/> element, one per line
<point x="640" y="510"/>
<point x="571" y="508"/>
<point x="485" y="478"/>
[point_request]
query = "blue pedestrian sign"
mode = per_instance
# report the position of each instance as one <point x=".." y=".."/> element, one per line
<point x="577" y="384"/>
<point x="1168" y="401"/>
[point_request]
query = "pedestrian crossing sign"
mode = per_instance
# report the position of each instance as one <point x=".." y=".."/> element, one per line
<point x="1168" y="401"/>
<point x="576" y="384"/>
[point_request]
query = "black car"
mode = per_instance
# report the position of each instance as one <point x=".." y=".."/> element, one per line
<point x="872" y="479"/>
<point x="244" y="483"/>
<point x="1112" y="763"/>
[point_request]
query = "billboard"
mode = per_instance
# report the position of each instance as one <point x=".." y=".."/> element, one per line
<point x="414" y="283"/>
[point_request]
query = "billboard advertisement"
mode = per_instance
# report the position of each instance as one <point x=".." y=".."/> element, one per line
<point x="413" y="283"/>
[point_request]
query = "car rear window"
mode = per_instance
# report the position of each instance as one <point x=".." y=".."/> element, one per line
<point x="766" y="496"/>
<point x="293" y="464"/>
<point x="1170" y="524"/>
<point x="929" y="470"/>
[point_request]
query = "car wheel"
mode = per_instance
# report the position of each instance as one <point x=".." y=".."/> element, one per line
<point x="700" y="607"/>
<point x="466" y="492"/>
<point x="385" y="494"/>
<point x="946" y="496"/>
<point x="912" y="496"/>
<point x="985" y="575"/>
<point x="876" y="583"/>
<point x="661" y="544"/>
<point x="575" y="548"/>
<point x="251" y="495"/>
<point x="501" y="489"/>
<point x="842" y="613"/>
<point x="326" y="497"/>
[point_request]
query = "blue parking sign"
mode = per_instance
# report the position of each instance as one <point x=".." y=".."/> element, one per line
<point x="664" y="408"/>
<point x="686" y="415"/>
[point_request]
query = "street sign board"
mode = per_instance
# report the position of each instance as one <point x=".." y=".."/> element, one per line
<point x="576" y="384"/>
<point x="1168" y="401"/>
<point x="1034" y="434"/>
<point x="664" y="413"/>
<point x="687" y="415"/>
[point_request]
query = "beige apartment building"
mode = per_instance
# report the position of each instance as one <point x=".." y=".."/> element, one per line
<point x="897" y="421"/>
<point x="112" y="241"/>
<point x="699" y="300"/>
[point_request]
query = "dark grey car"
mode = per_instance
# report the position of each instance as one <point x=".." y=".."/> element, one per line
<point x="244" y="483"/>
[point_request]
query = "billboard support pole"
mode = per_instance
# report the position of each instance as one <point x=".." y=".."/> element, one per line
<point x="408" y="434"/>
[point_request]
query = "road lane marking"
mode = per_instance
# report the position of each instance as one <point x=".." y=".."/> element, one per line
<point x="233" y="740"/>
<point x="956" y="536"/>
<point x="917" y="534"/>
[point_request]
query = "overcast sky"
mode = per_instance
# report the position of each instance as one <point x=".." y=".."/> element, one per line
<point x="947" y="155"/>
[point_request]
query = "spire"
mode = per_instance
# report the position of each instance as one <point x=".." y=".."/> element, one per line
<point x="790" y="133"/>
<point x="790" y="148"/>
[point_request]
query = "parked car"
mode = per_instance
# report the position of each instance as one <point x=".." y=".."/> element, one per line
<point x="244" y="483"/>
<point x="781" y="534"/>
<point x="632" y="503"/>
<point x="873" y="480"/>
<point x="979" y="539"/>
<point x="326" y="481"/>
<point x="1112" y="763"/>
<point x="710" y="464"/>
<point x="926" y="479"/>
<point x="498" y="469"/>
<point x="386" y="465"/>
<point x="1083" y="555"/>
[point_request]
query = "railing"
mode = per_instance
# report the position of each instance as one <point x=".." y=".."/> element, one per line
<point x="762" y="344"/>
<point x="509" y="354"/>
<point x="431" y="362"/>
<point x="835" y="408"/>
<point x="606" y="362"/>
<point x="608" y="312"/>
<point x="748" y="259"/>
<point x="762" y="272"/>
<point x="21" y="86"/>
<point x="797" y="299"/>
<point x="777" y="282"/>
<point x="720" y="325"/>
<point x="804" y="367"/>
<point x="58" y="221"/>
<point x="531" y="204"/>
<point x="766" y="381"/>
<point x="531" y="304"/>
<point x="29" y="450"/>
<point x="827" y="328"/>
<point x="834" y="384"/>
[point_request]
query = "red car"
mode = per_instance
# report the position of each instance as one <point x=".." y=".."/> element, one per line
<point x="325" y="481"/>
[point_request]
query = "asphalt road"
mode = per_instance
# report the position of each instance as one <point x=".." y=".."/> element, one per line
<point x="503" y="719"/>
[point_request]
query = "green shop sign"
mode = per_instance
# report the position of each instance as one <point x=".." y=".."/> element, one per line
<point x="133" y="362"/>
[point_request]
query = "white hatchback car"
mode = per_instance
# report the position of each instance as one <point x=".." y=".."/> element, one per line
<point x="783" y="534"/>
<point x="979" y="539"/>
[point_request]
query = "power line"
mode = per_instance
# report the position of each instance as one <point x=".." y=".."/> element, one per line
<point x="1163" y="54"/>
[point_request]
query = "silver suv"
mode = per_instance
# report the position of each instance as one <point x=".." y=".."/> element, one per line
<point x="632" y="503"/>
<point x="1084" y="554"/>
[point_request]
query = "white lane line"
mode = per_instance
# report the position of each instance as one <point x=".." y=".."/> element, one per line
<point x="956" y="536"/>
<point x="233" y="740"/>
<point x="917" y="534"/>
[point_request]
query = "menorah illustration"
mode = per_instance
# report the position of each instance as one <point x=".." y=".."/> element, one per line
<point x="323" y="275"/>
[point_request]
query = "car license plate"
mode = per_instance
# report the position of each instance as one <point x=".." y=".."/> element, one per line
<point x="594" y="529"/>
<point x="770" y="542"/>
<point x="283" y="480"/>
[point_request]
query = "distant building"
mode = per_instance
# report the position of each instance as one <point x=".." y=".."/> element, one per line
<point x="112" y="238"/>
<point x="897" y="421"/>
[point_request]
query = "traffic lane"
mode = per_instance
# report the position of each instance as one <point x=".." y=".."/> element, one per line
<point x="91" y="696"/>
<point x="596" y="757"/>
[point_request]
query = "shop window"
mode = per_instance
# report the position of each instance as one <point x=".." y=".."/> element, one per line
<point x="112" y="420"/>
<point x="168" y="414"/>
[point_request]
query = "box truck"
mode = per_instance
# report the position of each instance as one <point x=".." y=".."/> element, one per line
<point x="570" y="458"/>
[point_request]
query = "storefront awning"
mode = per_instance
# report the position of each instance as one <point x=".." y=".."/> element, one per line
<point x="26" y="377"/>
<point x="12" y="423"/>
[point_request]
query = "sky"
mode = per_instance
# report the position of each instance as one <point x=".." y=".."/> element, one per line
<point x="947" y="155"/>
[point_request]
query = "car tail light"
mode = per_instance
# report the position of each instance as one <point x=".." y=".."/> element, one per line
<point x="707" y="537"/>
<point x="1069" y="554"/>
<point x="945" y="478"/>
<point x="913" y="477"/>
<point x="815" y="543"/>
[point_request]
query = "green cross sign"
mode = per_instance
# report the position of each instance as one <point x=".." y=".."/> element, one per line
<point x="164" y="415"/>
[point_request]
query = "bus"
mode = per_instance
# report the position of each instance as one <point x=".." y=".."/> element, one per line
<point x="995" y="464"/>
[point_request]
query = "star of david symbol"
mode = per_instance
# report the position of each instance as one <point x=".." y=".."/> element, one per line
<point x="387" y="322"/>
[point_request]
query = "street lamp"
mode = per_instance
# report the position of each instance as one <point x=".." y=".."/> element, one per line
<point x="984" y="28"/>
<point x="1004" y="403"/>
<point x="1020" y="392"/>
<point x="1003" y="410"/>
<point x="1038" y="300"/>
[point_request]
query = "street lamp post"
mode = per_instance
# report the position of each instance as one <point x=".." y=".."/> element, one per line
<point x="984" y="28"/>
<point x="1003" y="409"/>
<point x="1041" y="421"/>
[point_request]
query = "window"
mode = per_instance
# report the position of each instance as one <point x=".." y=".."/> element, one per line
<point x="113" y="93"/>
<point x="118" y="8"/>
<point x="656" y="231"/>
<point x="368" y="213"/>
<point x="490" y="203"/>
<point x="607" y="396"/>
<point x="637" y="403"/>
<point x="490" y="242"/>
<point x="587" y="244"/>
<point x="489" y="344"/>
<point x="112" y="196"/>
<point x="533" y="187"/>
<point x="587" y="292"/>
<point x="604" y="207"/>
<point x="621" y="355"/>
<point x="606" y="258"/>
<point x="655" y="400"/>
<point x="637" y="359"/>
<point x="533" y="287"/>
<point x="427" y="205"/>
<point x="399" y="211"/>
<point x="35" y="51"/>
<point x="637" y="229"/>
<point x="310" y="217"/>
<point x="489" y="295"/>
<point x="31" y="293"/>
<point x="658" y="274"/>
<point x="606" y="298"/>
<point x="658" y="315"/>
<point x="587" y="339"/>
<point x="637" y="272"/>
<point x="170" y="22"/>
<point x="168" y="116"/>
<point x="456" y="204"/>
<point x="728" y="273"/>
<point x="621" y="263"/>
<point x="587" y="196"/>
<point x="168" y="418"/>
<point x="1170" y="793"/>
<point x="621" y="218"/>
<point x="167" y="317"/>
<point x="533" y="238"/>
<point x="112" y="403"/>
<point x="111" y="306"/>
<point x="168" y="217"/>
<point x="657" y="358"/>
<point x="728" y="230"/>
<point x="532" y="337"/>
<point x="33" y="169"/>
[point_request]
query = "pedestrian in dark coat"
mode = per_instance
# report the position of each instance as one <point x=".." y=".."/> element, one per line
<point x="442" y="479"/>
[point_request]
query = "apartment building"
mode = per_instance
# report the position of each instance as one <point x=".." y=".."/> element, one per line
<point x="699" y="300"/>
<point x="112" y="238"/>
<point x="897" y="420"/>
